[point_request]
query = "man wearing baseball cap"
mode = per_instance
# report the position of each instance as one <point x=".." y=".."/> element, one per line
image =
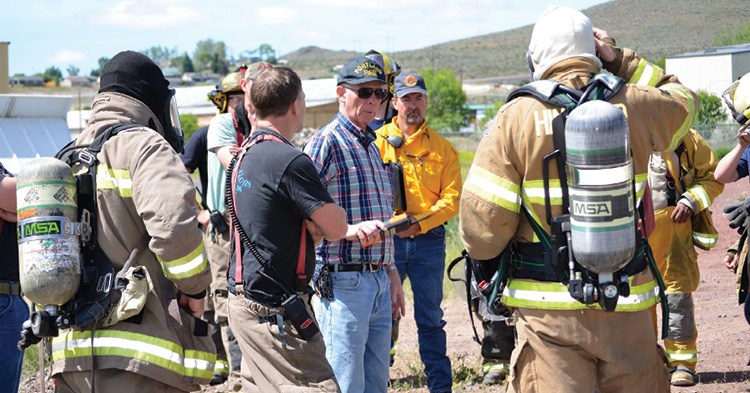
<point x="225" y="134"/>
<point x="432" y="183"/>
<point x="358" y="286"/>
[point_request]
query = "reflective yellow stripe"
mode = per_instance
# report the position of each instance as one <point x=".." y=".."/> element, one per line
<point x="688" y="355"/>
<point x="707" y="240"/>
<point x="646" y="74"/>
<point x="493" y="188"/>
<point x="533" y="192"/>
<point x="114" y="179"/>
<point x="221" y="366"/>
<point x="157" y="351"/>
<point x="641" y="180"/>
<point x="680" y="132"/>
<point x="701" y="196"/>
<point x="187" y="266"/>
<point x="555" y="296"/>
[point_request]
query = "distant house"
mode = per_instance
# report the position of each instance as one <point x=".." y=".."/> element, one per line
<point x="201" y="77"/>
<point x="712" y="70"/>
<point x="76" y="81"/>
<point x="26" y="80"/>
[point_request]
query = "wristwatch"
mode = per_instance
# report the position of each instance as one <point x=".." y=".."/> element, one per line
<point x="390" y="268"/>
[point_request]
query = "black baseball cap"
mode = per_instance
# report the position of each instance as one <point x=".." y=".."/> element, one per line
<point x="409" y="82"/>
<point x="361" y="70"/>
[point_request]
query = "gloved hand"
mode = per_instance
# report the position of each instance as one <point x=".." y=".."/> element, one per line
<point x="738" y="215"/>
<point x="29" y="338"/>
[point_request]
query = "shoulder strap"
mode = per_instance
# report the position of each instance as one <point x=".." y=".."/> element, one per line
<point x="238" y="234"/>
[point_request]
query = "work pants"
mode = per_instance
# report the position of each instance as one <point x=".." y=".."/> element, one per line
<point x="270" y="366"/>
<point x="110" y="380"/>
<point x="574" y="351"/>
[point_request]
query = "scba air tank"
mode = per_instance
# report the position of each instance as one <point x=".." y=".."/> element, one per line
<point x="48" y="248"/>
<point x="600" y="176"/>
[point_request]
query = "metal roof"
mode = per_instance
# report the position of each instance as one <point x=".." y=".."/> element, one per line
<point x="32" y="126"/>
<point x="722" y="50"/>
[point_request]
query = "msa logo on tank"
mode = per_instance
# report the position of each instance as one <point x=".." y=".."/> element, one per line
<point x="592" y="209"/>
<point x="43" y="227"/>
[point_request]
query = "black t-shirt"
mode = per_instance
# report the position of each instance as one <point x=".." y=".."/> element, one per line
<point x="8" y="245"/>
<point x="196" y="157"/>
<point x="277" y="187"/>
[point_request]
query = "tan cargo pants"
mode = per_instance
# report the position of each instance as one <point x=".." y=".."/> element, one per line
<point x="580" y="351"/>
<point x="300" y="367"/>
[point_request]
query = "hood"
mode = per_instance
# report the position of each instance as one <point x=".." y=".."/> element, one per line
<point x="111" y="109"/>
<point x="561" y="33"/>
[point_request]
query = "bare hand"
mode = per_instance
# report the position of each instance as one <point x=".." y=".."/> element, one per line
<point x="398" y="304"/>
<point x="368" y="232"/>
<point x="8" y="216"/>
<point x="194" y="306"/>
<point x="204" y="217"/>
<point x="410" y="232"/>
<point x="602" y="48"/>
<point x="744" y="139"/>
<point x="681" y="213"/>
<point x="315" y="232"/>
<point x="730" y="261"/>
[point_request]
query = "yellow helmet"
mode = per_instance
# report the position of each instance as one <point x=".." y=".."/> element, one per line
<point x="229" y="85"/>
<point x="737" y="98"/>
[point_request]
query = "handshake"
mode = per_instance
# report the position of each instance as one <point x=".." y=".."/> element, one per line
<point x="738" y="215"/>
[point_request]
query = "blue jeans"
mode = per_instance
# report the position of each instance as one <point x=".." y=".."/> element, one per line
<point x="13" y="312"/>
<point x="356" y="328"/>
<point x="422" y="259"/>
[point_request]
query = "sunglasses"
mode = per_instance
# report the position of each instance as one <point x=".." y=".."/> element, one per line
<point x="367" y="92"/>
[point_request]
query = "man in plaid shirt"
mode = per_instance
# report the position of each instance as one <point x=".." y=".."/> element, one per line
<point x="358" y="287"/>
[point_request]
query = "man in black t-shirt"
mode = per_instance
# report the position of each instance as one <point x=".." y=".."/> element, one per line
<point x="281" y="207"/>
<point x="13" y="307"/>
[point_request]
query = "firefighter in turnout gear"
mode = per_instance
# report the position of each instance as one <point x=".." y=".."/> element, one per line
<point x="142" y="193"/>
<point x="682" y="187"/>
<point x="566" y="345"/>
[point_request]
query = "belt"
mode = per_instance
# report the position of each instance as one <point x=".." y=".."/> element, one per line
<point x="356" y="267"/>
<point x="10" y="288"/>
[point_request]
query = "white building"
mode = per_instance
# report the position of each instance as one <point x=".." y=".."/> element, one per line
<point x="712" y="70"/>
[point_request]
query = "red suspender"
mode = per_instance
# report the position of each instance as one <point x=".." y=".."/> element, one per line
<point x="301" y="276"/>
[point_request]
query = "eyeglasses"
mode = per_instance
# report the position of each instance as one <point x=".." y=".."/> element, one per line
<point x="366" y="92"/>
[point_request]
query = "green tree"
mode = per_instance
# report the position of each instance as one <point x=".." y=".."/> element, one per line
<point x="711" y="111"/>
<point x="446" y="99"/>
<point x="267" y="53"/>
<point x="52" y="74"/>
<point x="210" y="55"/>
<point x="160" y="54"/>
<point x="189" y="124"/>
<point x="102" y="61"/>
<point x="73" y="70"/>
<point x="733" y="36"/>
<point x="183" y="63"/>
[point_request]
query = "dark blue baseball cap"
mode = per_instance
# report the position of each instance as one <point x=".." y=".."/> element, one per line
<point x="361" y="70"/>
<point x="409" y="82"/>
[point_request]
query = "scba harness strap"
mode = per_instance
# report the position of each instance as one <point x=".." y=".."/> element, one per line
<point x="549" y="259"/>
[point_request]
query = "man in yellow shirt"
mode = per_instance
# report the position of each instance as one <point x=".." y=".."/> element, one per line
<point x="432" y="184"/>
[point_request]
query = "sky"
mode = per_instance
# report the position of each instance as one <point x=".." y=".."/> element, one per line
<point x="44" y="33"/>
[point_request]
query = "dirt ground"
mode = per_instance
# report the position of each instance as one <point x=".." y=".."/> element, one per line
<point x="723" y="331"/>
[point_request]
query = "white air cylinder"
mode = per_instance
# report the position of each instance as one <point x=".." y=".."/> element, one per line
<point x="600" y="176"/>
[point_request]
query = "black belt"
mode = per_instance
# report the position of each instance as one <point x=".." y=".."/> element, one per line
<point x="10" y="288"/>
<point x="355" y="267"/>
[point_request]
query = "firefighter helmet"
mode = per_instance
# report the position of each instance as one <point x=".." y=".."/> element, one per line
<point x="229" y="85"/>
<point x="737" y="99"/>
<point x="389" y="66"/>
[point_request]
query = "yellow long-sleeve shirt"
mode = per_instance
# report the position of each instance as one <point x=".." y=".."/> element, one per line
<point x="432" y="174"/>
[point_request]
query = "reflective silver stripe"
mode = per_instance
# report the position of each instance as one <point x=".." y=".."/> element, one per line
<point x="602" y="177"/>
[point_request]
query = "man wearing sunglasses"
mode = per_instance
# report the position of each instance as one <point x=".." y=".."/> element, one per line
<point x="358" y="287"/>
<point x="432" y="180"/>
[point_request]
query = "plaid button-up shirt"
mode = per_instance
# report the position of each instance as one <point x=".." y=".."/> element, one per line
<point x="350" y="167"/>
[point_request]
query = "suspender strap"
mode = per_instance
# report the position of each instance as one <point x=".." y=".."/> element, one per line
<point x="236" y="228"/>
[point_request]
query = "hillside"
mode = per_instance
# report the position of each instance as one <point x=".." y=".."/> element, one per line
<point x="654" y="28"/>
